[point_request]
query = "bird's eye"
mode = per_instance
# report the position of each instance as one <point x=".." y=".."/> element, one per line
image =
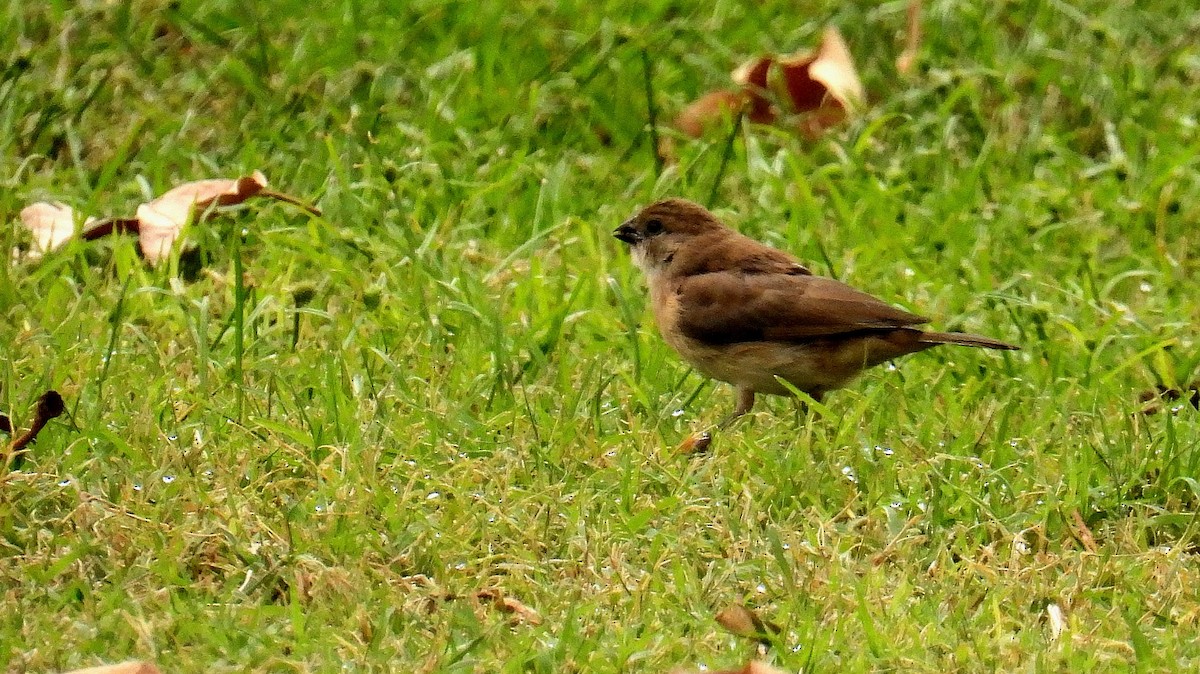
<point x="654" y="227"/>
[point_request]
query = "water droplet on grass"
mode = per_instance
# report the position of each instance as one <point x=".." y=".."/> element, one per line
<point x="172" y="437"/>
<point x="896" y="505"/>
<point x="761" y="588"/>
<point x="677" y="413"/>
<point x="168" y="479"/>
<point x="208" y="473"/>
<point x="1146" y="287"/>
<point x="433" y="495"/>
<point x="137" y="486"/>
<point x="64" y="483"/>
<point x="887" y="451"/>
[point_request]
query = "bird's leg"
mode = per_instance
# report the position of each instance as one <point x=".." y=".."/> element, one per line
<point x="745" y="402"/>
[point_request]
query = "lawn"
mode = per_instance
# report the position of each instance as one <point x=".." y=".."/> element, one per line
<point x="433" y="428"/>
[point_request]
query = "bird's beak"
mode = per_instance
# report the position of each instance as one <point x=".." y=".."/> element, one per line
<point x="627" y="233"/>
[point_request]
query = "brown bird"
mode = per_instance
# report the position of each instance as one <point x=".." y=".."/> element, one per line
<point x="748" y="314"/>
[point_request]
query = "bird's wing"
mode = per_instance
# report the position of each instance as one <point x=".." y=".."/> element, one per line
<point x="726" y="307"/>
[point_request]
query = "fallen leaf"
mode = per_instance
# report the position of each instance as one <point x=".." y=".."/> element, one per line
<point x="158" y="223"/>
<point x="746" y="623"/>
<point x="821" y="85"/>
<point x="162" y="220"/>
<point x="519" y="611"/>
<point x="824" y="82"/>
<point x="696" y="443"/>
<point x="709" y="108"/>
<point x="1058" y="623"/>
<point x="49" y="405"/>
<point x="1083" y="532"/>
<point x="52" y="225"/>
<point x="135" y="667"/>
<point x="908" y="58"/>
<point x="752" y="77"/>
<point x="753" y="667"/>
<point x="1189" y="392"/>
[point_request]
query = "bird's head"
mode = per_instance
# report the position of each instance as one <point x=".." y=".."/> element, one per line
<point x="657" y="233"/>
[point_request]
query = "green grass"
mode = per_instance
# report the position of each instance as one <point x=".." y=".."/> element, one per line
<point x="477" y="400"/>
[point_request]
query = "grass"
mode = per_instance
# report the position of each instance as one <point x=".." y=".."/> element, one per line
<point x="315" y="444"/>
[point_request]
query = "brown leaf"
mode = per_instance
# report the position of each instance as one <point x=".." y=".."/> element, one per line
<point x="822" y="84"/>
<point x="1161" y="394"/>
<point x="824" y="78"/>
<point x="708" y="109"/>
<point x="696" y="443"/>
<point x="753" y="667"/>
<point x="52" y="225"/>
<point x="49" y="405"/>
<point x="162" y="220"/>
<point x="1083" y="532"/>
<point x="135" y="667"/>
<point x="752" y="76"/>
<point x="159" y="222"/>
<point x="745" y="623"/>
<point x="519" y="611"/>
<point x="908" y="58"/>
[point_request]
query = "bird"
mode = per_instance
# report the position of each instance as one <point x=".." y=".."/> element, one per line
<point x="745" y="313"/>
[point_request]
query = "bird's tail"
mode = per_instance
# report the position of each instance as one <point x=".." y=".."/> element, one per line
<point x="965" y="339"/>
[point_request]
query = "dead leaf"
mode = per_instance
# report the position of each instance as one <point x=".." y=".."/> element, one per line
<point x="821" y="85"/>
<point x="49" y="405"/>
<point x="1083" y="532"/>
<point x="1160" y="394"/>
<point x="52" y="225"/>
<point x="519" y="611"/>
<point x="134" y="667"/>
<point x="752" y="77"/>
<point x="824" y="82"/>
<point x="158" y="223"/>
<point x="696" y="443"/>
<point x="908" y="58"/>
<point x="753" y="667"/>
<point x="709" y="108"/>
<point x="163" y="219"/>
<point x="743" y="622"/>
<point x="1058" y="624"/>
